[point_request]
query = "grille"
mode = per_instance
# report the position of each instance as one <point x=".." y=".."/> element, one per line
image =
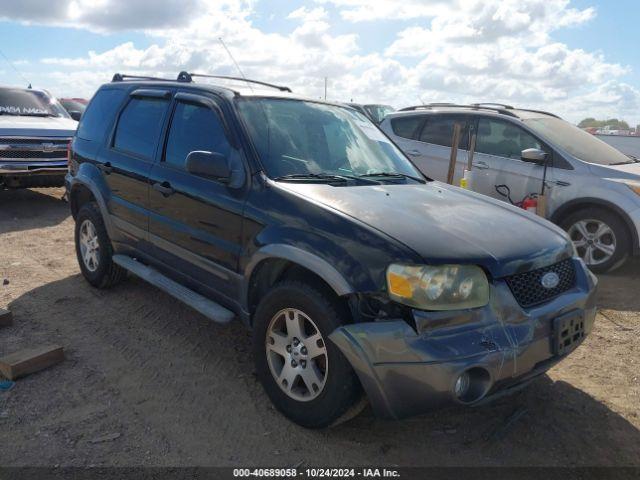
<point x="27" y="154"/>
<point x="34" y="140"/>
<point x="527" y="287"/>
<point x="20" y="148"/>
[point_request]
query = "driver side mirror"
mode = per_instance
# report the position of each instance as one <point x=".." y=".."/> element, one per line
<point x="534" y="155"/>
<point x="209" y="165"/>
<point x="75" y="114"/>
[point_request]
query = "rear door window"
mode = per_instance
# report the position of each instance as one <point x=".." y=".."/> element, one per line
<point x="504" y="139"/>
<point x="99" y="114"/>
<point x="438" y="130"/>
<point x="407" y="127"/>
<point x="138" y="130"/>
<point x="194" y="127"/>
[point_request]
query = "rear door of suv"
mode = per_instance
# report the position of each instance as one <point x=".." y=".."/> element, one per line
<point x="427" y="139"/>
<point x="127" y="159"/>
<point x="195" y="222"/>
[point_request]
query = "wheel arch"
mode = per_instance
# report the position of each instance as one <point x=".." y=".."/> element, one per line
<point x="88" y="185"/>
<point x="272" y="263"/>
<point x="79" y="195"/>
<point x="587" y="202"/>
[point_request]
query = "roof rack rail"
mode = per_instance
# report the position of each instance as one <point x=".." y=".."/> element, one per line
<point x="489" y="104"/>
<point x="428" y="105"/>
<point x="121" y="77"/>
<point x="540" y="111"/>
<point x="476" y="106"/>
<point x="188" y="77"/>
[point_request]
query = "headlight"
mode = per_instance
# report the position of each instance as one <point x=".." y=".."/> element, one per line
<point x="444" y="287"/>
<point x="634" y="186"/>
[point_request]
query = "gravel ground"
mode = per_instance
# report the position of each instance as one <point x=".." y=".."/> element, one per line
<point x="149" y="382"/>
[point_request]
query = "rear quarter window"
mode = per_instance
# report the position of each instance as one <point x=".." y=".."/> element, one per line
<point x="406" y="127"/>
<point x="99" y="114"/>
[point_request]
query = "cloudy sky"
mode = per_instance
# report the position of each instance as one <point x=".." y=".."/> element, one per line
<point x="577" y="58"/>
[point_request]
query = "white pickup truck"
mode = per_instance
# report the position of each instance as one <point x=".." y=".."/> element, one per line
<point x="34" y="133"/>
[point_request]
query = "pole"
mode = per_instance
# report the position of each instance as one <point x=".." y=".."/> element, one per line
<point x="467" y="177"/>
<point x="472" y="147"/>
<point x="542" y="198"/>
<point x="455" y="140"/>
<point x="325" y="89"/>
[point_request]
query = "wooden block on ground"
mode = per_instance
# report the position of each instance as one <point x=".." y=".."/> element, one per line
<point x="30" y="360"/>
<point x="6" y="318"/>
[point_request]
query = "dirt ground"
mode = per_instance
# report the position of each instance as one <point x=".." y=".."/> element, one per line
<point x="147" y="381"/>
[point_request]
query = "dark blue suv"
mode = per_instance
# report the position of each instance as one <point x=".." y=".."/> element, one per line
<point x="357" y="275"/>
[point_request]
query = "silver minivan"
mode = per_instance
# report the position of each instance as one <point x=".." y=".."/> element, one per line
<point x="592" y="189"/>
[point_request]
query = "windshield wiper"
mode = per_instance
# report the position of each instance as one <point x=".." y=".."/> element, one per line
<point x="312" y="176"/>
<point x="392" y="175"/>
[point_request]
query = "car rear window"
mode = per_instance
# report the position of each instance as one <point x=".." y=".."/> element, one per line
<point x="139" y="127"/>
<point x="439" y="131"/>
<point x="194" y="128"/>
<point x="99" y="114"/>
<point x="406" y="127"/>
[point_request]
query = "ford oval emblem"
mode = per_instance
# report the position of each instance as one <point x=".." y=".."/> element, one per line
<point x="550" y="280"/>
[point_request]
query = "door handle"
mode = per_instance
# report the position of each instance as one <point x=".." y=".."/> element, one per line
<point x="481" y="165"/>
<point x="164" y="188"/>
<point x="414" y="153"/>
<point x="105" y="168"/>
<point x="559" y="183"/>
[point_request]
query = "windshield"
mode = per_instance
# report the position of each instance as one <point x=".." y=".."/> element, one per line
<point x="73" y="105"/>
<point x="30" y="103"/>
<point x="577" y="142"/>
<point x="378" y="112"/>
<point x="295" y="137"/>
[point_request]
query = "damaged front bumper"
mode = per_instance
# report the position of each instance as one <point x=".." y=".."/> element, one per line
<point x="501" y="347"/>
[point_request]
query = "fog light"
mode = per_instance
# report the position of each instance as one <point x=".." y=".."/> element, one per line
<point x="462" y="385"/>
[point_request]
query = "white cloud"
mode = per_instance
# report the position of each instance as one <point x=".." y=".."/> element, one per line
<point x="103" y="15"/>
<point x="309" y="15"/>
<point x="453" y="50"/>
<point x="368" y="10"/>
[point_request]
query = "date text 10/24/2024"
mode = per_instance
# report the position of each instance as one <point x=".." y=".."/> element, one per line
<point x="316" y="472"/>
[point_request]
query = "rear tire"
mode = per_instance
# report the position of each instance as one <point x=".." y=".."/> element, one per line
<point x="334" y="387"/>
<point x="600" y="237"/>
<point x="94" y="250"/>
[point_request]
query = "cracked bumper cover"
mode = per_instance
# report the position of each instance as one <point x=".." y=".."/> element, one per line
<point x="407" y="372"/>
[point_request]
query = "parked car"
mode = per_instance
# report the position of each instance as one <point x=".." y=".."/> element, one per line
<point x="35" y="131"/>
<point x="593" y="190"/>
<point x="75" y="107"/>
<point x="374" y="112"/>
<point x="301" y="219"/>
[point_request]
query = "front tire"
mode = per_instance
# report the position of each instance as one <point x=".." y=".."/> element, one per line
<point x="600" y="237"/>
<point x="93" y="249"/>
<point x="304" y="374"/>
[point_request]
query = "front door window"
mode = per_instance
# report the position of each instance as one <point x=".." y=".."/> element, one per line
<point x="503" y="139"/>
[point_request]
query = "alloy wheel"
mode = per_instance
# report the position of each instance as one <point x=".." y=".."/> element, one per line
<point x="296" y="354"/>
<point x="594" y="240"/>
<point x="89" y="245"/>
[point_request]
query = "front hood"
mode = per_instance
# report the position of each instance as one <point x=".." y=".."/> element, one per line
<point x="444" y="224"/>
<point x="629" y="171"/>
<point x="24" y="126"/>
